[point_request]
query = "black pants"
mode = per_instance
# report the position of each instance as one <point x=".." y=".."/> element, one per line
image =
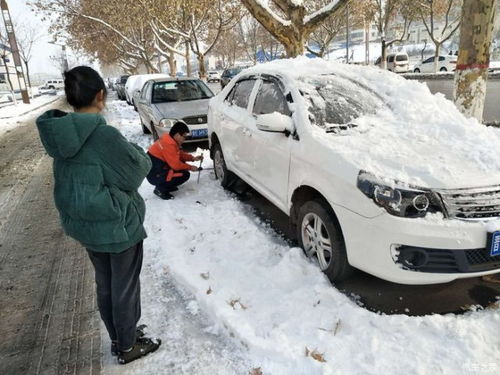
<point x="119" y="292"/>
<point x="158" y="175"/>
<point x="167" y="186"/>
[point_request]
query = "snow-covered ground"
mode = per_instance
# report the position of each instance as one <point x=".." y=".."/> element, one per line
<point x="11" y="115"/>
<point x="244" y="287"/>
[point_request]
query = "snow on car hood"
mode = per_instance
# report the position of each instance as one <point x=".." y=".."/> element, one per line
<point x="416" y="138"/>
<point x="179" y="110"/>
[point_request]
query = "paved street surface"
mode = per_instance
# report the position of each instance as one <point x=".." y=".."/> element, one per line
<point x="49" y="323"/>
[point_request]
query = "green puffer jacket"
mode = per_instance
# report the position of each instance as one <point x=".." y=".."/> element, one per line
<point x="97" y="173"/>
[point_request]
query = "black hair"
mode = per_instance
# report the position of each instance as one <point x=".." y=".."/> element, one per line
<point x="81" y="85"/>
<point x="179" y="128"/>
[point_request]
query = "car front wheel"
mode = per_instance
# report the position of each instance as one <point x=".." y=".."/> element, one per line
<point x="320" y="237"/>
<point x="225" y="176"/>
<point x="416" y="70"/>
<point x="443" y="69"/>
<point x="145" y="129"/>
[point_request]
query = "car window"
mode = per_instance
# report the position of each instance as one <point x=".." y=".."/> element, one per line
<point x="429" y="60"/>
<point x="180" y="91"/>
<point x="441" y="58"/>
<point x="124" y="79"/>
<point x="336" y="100"/>
<point x="401" y="58"/>
<point x="270" y="99"/>
<point x="240" y="94"/>
<point x="390" y="58"/>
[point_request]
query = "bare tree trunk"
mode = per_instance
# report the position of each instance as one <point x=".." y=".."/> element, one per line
<point x="201" y="66"/>
<point x="28" y="76"/>
<point x="11" y="86"/>
<point x="188" y="58"/>
<point x="172" y="63"/>
<point x="436" y="57"/>
<point x="471" y="74"/>
<point x="383" y="60"/>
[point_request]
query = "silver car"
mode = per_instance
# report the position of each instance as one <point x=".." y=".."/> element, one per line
<point x="164" y="101"/>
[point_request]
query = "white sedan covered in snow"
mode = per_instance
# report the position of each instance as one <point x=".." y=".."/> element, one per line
<point x="405" y="189"/>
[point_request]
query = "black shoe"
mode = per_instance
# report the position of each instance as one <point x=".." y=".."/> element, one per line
<point x="163" y="195"/>
<point x="142" y="347"/>
<point x="139" y="332"/>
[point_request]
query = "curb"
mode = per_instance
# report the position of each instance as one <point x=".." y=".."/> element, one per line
<point x="31" y="110"/>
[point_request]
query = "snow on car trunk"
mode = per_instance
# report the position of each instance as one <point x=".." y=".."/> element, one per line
<point x="277" y="302"/>
<point x="415" y="137"/>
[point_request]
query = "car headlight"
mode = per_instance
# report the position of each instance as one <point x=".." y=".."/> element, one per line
<point x="397" y="200"/>
<point x="167" y="123"/>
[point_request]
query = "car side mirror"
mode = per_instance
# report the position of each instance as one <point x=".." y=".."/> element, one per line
<point x="275" y="122"/>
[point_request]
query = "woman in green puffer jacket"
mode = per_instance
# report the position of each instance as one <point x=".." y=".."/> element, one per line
<point x="97" y="173"/>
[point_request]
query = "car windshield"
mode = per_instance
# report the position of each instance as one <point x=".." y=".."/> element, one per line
<point x="401" y="58"/>
<point x="180" y="91"/>
<point x="232" y="72"/>
<point x="338" y="101"/>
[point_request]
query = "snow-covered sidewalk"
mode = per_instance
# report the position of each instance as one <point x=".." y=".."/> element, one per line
<point x="10" y="115"/>
<point x="242" y="280"/>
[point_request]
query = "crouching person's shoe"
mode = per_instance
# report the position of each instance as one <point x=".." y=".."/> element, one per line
<point x="142" y="347"/>
<point x="162" y="194"/>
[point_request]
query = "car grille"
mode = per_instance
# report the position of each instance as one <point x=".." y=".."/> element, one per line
<point x="195" y="120"/>
<point x="472" y="204"/>
<point x="447" y="261"/>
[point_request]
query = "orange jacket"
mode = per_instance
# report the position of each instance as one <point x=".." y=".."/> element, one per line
<point x="168" y="150"/>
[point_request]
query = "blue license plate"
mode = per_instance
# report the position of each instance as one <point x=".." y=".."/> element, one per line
<point x="495" y="244"/>
<point x="199" y="133"/>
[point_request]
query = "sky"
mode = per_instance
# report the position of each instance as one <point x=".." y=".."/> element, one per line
<point x="40" y="62"/>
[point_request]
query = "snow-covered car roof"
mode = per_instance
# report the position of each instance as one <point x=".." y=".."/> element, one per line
<point x="417" y="137"/>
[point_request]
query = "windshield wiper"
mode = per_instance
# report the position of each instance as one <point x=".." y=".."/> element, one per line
<point x="340" y="128"/>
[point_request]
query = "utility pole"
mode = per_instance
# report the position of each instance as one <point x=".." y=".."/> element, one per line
<point x="15" y="51"/>
<point x="347" y="34"/>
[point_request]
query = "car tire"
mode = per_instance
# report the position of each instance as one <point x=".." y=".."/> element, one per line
<point x="417" y="70"/>
<point x="145" y="129"/>
<point x="52" y="88"/>
<point x="135" y="108"/>
<point x="224" y="175"/>
<point x="154" y="133"/>
<point x="443" y="69"/>
<point x="319" y="235"/>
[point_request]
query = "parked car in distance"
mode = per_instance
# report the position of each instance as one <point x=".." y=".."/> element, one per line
<point x="120" y="87"/>
<point x="213" y="76"/>
<point x="164" y="101"/>
<point x="134" y="84"/>
<point x="396" y="62"/>
<point x="53" y="84"/>
<point x="446" y="63"/>
<point x="228" y="74"/>
<point x="373" y="170"/>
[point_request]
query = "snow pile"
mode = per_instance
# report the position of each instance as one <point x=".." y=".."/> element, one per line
<point x="278" y="303"/>
<point x="417" y="137"/>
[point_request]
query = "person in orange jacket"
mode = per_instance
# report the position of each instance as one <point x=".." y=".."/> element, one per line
<point x="169" y="168"/>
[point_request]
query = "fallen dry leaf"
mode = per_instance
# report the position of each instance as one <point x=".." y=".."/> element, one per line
<point x="205" y="275"/>
<point x="256" y="371"/>
<point x="235" y="302"/>
<point x="315" y="355"/>
<point x="209" y="291"/>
